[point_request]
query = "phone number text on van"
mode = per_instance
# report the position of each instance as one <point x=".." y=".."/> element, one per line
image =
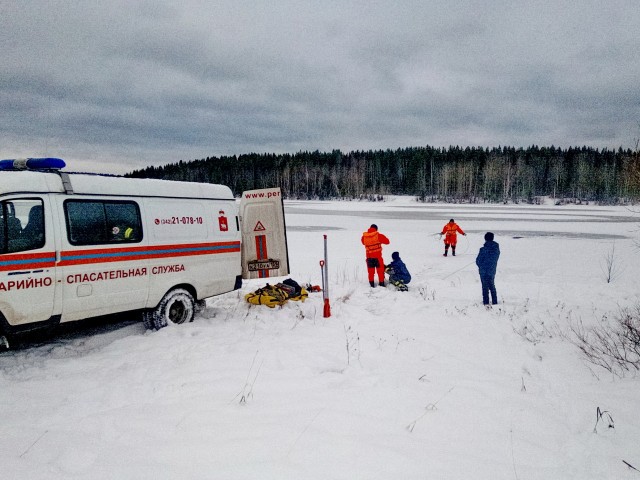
<point x="179" y="221"/>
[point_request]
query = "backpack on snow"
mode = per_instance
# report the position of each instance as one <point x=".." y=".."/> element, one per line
<point x="278" y="294"/>
<point x="295" y="291"/>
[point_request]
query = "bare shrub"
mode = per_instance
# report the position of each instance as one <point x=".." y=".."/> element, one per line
<point x="426" y="293"/>
<point x="610" y="266"/>
<point x="615" y="348"/>
<point x="352" y="343"/>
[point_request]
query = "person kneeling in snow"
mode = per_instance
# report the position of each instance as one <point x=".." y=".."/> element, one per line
<point x="399" y="276"/>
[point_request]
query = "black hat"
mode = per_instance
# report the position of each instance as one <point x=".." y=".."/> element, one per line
<point x="451" y="221"/>
<point x="395" y="256"/>
<point x="373" y="225"/>
<point x="488" y="236"/>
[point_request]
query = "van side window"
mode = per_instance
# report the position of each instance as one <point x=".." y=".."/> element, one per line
<point x="21" y="225"/>
<point x="94" y="222"/>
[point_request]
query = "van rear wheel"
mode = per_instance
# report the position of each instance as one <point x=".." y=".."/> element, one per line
<point x="176" y="307"/>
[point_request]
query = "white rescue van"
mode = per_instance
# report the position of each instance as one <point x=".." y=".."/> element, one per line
<point x="75" y="246"/>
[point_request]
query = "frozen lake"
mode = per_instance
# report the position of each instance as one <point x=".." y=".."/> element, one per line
<point x="558" y="221"/>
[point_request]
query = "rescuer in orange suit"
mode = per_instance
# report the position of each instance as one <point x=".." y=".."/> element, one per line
<point x="450" y="232"/>
<point x="373" y="241"/>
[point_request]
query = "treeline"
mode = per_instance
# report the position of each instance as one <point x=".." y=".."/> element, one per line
<point x="454" y="174"/>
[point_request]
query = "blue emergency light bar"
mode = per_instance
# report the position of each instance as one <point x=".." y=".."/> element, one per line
<point x="32" y="163"/>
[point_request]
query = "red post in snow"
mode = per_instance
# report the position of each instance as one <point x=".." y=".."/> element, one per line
<point x="325" y="282"/>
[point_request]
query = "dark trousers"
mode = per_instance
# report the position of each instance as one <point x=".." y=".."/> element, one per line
<point x="375" y="264"/>
<point x="394" y="279"/>
<point x="488" y="286"/>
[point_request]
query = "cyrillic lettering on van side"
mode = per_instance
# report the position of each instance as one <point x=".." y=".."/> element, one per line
<point x="25" y="284"/>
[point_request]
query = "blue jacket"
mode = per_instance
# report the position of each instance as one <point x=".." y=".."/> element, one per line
<point x="487" y="259"/>
<point x="398" y="271"/>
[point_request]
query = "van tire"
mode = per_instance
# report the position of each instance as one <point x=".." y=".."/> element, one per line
<point x="176" y="307"/>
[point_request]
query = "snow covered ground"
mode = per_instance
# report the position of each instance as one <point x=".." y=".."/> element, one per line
<point x="425" y="384"/>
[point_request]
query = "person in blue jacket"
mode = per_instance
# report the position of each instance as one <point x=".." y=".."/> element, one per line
<point x="399" y="276"/>
<point x="487" y="262"/>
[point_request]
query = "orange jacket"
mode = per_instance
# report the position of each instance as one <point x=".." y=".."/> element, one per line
<point x="373" y="241"/>
<point x="451" y="230"/>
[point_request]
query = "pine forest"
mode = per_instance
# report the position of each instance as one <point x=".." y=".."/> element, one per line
<point x="454" y="174"/>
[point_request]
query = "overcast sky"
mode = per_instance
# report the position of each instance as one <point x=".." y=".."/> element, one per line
<point x="119" y="85"/>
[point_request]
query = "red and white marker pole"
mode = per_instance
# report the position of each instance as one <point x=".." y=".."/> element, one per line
<point x="325" y="281"/>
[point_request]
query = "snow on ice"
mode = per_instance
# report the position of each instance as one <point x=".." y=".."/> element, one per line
<point x="424" y="384"/>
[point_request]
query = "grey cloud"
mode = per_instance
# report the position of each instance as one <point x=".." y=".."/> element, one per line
<point x="127" y="84"/>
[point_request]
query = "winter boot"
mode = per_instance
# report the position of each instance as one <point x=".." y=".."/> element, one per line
<point x="382" y="284"/>
<point x="453" y="250"/>
<point x="446" y="250"/>
<point x="372" y="283"/>
<point x="400" y="286"/>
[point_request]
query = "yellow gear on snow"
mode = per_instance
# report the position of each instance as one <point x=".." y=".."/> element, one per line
<point x="272" y="295"/>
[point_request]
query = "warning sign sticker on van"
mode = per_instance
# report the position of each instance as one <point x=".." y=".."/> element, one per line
<point x="256" y="265"/>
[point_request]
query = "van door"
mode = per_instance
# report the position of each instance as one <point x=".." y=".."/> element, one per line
<point x="103" y="257"/>
<point x="195" y="245"/>
<point x="264" y="237"/>
<point x="27" y="260"/>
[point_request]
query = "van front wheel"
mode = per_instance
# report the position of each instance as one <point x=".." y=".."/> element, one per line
<point x="176" y="307"/>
